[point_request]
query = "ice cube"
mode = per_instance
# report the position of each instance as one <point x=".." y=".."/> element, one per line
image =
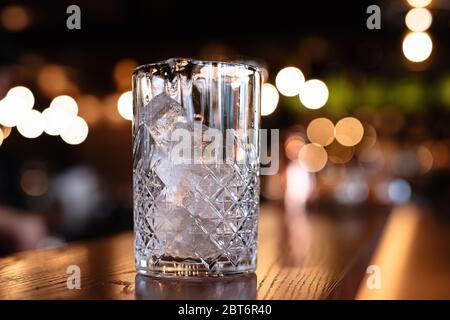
<point x="161" y="115"/>
<point x="174" y="221"/>
<point x="191" y="236"/>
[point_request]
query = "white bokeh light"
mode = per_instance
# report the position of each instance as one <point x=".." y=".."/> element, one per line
<point x="289" y="80"/>
<point x="269" y="99"/>
<point x="314" y="94"/>
<point x="23" y="93"/>
<point x="418" y="19"/>
<point x="419" y="3"/>
<point x="55" y="120"/>
<point x="76" y="131"/>
<point x="417" y="46"/>
<point x="125" y="105"/>
<point x="31" y="125"/>
<point x="12" y="109"/>
<point x="65" y="102"/>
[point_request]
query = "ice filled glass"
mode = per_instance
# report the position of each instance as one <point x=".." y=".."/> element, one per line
<point x="196" y="167"/>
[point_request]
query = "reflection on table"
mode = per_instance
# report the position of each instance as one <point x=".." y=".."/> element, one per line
<point x="227" y="288"/>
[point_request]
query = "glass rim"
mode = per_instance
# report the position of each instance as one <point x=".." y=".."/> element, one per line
<point x="216" y="63"/>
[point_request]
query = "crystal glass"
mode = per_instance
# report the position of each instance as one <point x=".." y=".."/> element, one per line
<point x="196" y="167"/>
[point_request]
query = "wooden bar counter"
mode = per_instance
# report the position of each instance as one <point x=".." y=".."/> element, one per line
<point x="301" y="256"/>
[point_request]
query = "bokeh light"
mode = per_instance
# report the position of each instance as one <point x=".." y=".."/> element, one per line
<point x="269" y="99"/>
<point x="418" y="19"/>
<point x="292" y="146"/>
<point x="321" y="131"/>
<point x="441" y="154"/>
<point x="125" y="105"/>
<point x="122" y="73"/>
<point x="339" y="154"/>
<point x="312" y="157"/>
<point x="23" y="93"/>
<point x="53" y="80"/>
<point x="67" y="103"/>
<point x="417" y="46"/>
<point x="15" y="18"/>
<point x="349" y="131"/>
<point x="89" y="108"/>
<point x="31" y="125"/>
<point x="419" y="3"/>
<point x="369" y="138"/>
<point x="425" y="158"/>
<point x="109" y="107"/>
<point x="314" y="94"/>
<point x="289" y="81"/>
<point x="76" y="131"/>
<point x="352" y="190"/>
<point x="12" y="109"/>
<point x="399" y="191"/>
<point x="1" y="137"/>
<point x="55" y="120"/>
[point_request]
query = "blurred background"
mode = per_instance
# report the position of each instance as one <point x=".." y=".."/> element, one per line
<point x="363" y="114"/>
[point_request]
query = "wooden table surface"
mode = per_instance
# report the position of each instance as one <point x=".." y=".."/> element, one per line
<point x="413" y="256"/>
<point x="300" y="256"/>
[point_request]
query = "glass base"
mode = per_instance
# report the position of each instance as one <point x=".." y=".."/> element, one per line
<point x="170" y="268"/>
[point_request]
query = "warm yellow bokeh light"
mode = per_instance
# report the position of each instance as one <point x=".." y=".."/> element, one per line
<point x="31" y="125"/>
<point x="292" y="146"/>
<point x="419" y="3"/>
<point x="55" y="120"/>
<point x="349" y="131"/>
<point x="125" y="105"/>
<point x="67" y="103"/>
<point x="289" y="80"/>
<point x="321" y="131"/>
<point x="76" y="131"/>
<point x="269" y="99"/>
<point x="15" y="18"/>
<point x="314" y="94"/>
<point x="441" y="154"/>
<point x="369" y="139"/>
<point x="418" y="19"/>
<point x="89" y="108"/>
<point x="417" y="46"/>
<point x="1" y="137"/>
<point x="53" y="80"/>
<point x="109" y="107"/>
<point x="23" y="93"/>
<point x="122" y="73"/>
<point x="12" y="109"/>
<point x="339" y="154"/>
<point x="312" y="157"/>
<point x="425" y="158"/>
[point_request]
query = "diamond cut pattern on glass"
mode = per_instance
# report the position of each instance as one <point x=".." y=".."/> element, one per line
<point x="200" y="212"/>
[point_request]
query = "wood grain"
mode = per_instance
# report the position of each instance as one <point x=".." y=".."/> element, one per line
<point x="413" y="257"/>
<point x="300" y="257"/>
